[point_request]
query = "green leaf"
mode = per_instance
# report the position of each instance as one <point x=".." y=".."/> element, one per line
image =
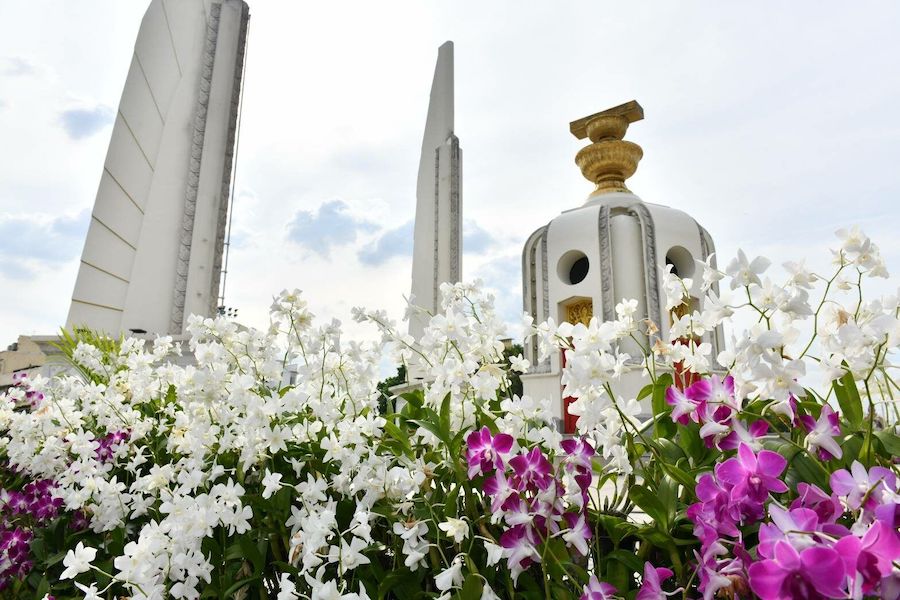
<point x="471" y="589"/>
<point x="683" y="477"/>
<point x="433" y="428"/>
<point x="444" y="421"/>
<point x="42" y="589"/>
<point x="241" y="583"/>
<point x="616" y="527"/>
<point x="650" y="503"/>
<point x="398" y="435"/>
<point x="645" y="391"/>
<point x="665" y="427"/>
<point x="629" y="559"/>
<point x="618" y="574"/>
<point x="801" y="468"/>
<point x="667" y="493"/>
<point x="456" y="442"/>
<point x="670" y="450"/>
<point x="890" y="441"/>
<point x="402" y="580"/>
<point x="689" y="436"/>
<point x="848" y="399"/>
<point x="244" y="548"/>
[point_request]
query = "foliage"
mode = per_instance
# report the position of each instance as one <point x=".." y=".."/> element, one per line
<point x="732" y="475"/>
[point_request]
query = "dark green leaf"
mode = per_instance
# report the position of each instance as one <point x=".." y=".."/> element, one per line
<point x="848" y="399"/>
<point x="445" y="416"/>
<point x="472" y="588"/>
<point x="665" y="427"/>
<point x="650" y="503"/>
<point x="433" y="428"/>
<point x="628" y="559"/>
<point x="392" y="430"/>
<point x="890" y="441"/>
<point x="241" y="583"/>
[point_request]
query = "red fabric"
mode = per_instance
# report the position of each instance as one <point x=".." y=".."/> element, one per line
<point x="569" y="420"/>
<point x="683" y="378"/>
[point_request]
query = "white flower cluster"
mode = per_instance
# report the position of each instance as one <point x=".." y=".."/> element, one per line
<point x="462" y="354"/>
<point x="171" y="454"/>
<point x="769" y="359"/>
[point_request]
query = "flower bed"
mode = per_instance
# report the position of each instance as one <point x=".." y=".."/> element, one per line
<point x="769" y="471"/>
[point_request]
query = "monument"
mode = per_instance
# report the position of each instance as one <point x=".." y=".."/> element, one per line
<point x="154" y="248"/>
<point x="437" y="237"/>
<point x="612" y="247"/>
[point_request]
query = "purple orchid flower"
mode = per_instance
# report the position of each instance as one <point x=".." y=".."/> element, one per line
<point x="579" y="460"/>
<point x="531" y="469"/>
<point x="598" y="590"/>
<point x="579" y="532"/>
<point x="579" y="454"/>
<point x="827" y="508"/>
<point x="651" y="583"/>
<point x="889" y="514"/>
<point x="79" y="521"/>
<point x="715" y="509"/>
<point x="868" y="560"/>
<point x="815" y="572"/>
<point x="741" y="434"/>
<point x="497" y="487"/>
<point x="15" y="547"/>
<point x="821" y="433"/>
<point x="717" y="427"/>
<point x="799" y="527"/>
<point x="868" y="490"/>
<point x="713" y="391"/>
<point x="753" y="476"/>
<point x="684" y="409"/>
<point x="484" y="450"/>
<point x="519" y="540"/>
<point x="728" y="574"/>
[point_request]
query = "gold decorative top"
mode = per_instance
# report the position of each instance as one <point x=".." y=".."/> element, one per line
<point x="609" y="160"/>
<point x="580" y="311"/>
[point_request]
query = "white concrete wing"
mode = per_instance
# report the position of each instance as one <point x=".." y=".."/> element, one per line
<point x="154" y="246"/>
<point x="437" y="242"/>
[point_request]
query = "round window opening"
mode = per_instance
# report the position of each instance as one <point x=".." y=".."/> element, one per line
<point x="573" y="267"/>
<point x="681" y="260"/>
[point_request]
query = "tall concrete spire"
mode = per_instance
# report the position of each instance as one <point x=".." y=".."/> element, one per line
<point x="153" y="253"/>
<point x="437" y="250"/>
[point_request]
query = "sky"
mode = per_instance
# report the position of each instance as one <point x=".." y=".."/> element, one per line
<point x="772" y="124"/>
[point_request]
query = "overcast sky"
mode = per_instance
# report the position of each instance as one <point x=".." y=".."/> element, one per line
<point x="773" y="124"/>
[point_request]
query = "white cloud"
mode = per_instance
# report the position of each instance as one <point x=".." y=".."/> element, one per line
<point x="330" y="225"/>
<point x="80" y="123"/>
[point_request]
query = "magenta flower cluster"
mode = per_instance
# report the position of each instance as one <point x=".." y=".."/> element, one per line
<point x="32" y="396"/>
<point x="108" y="444"/>
<point x="19" y="512"/>
<point x="712" y="405"/>
<point x="530" y="496"/>
<point x="734" y="495"/>
<point x="651" y="586"/>
<point x="804" y="551"/>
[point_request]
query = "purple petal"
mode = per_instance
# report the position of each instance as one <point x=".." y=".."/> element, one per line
<point x="787" y="556"/>
<point x="842" y="482"/>
<point x="700" y="390"/>
<point x="766" y="578"/>
<point x="848" y="548"/>
<point x="503" y="442"/>
<point x="771" y="463"/>
<point x="731" y="471"/>
<point x="759" y="428"/>
<point x="824" y="567"/>
<point x="748" y="459"/>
